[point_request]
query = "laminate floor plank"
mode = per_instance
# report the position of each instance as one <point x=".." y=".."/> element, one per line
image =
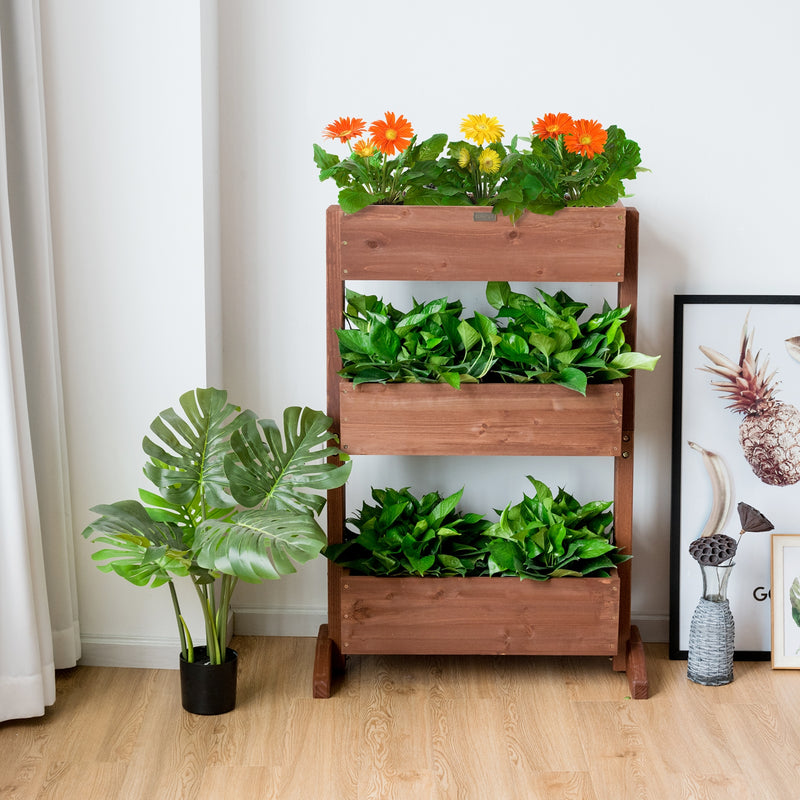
<point x="772" y="737"/>
<point x="413" y="728"/>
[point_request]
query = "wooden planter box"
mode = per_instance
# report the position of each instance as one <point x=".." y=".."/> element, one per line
<point x="485" y="616"/>
<point x="414" y="243"/>
<point x="480" y="419"/>
<point x="565" y="616"/>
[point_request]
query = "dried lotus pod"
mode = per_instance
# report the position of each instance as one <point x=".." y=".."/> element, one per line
<point x="711" y="551"/>
<point x="753" y="520"/>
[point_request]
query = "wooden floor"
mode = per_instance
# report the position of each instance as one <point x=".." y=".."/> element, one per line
<point x="413" y="728"/>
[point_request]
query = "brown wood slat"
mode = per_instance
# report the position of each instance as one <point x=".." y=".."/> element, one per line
<point x="450" y="244"/>
<point x="485" y="616"/>
<point x="623" y="466"/>
<point x="322" y="677"/>
<point x="480" y="419"/>
<point x="636" y="667"/>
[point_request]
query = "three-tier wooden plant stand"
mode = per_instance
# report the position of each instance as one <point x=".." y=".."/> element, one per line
<point x="564" y="616"/>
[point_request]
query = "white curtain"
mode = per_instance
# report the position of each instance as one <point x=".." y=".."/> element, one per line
<point x="38" y="602"/>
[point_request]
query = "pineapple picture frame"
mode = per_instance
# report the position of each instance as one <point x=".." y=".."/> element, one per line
<point x="736" y="393"/>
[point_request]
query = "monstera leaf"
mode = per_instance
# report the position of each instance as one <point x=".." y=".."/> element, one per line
<point x="258" y="545"/>
<point x="284" y="473"/>
<point x="192" y="458"/>
<point x="137" y="548"/>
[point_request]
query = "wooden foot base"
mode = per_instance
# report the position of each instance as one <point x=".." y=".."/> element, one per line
<point x="323" y="664"/>
<point x="636" y="667"/>
<point x="328" y="662"/>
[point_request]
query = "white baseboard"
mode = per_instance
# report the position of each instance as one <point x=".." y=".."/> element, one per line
<point x="155" y="653"/>
<point x="135" y="651"/>
<point x="129" y="651"/>
<point x="652" y="627"/>
<point x="258" y="621"/>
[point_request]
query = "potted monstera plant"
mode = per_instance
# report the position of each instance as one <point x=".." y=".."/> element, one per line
<point x="235" y="500"/>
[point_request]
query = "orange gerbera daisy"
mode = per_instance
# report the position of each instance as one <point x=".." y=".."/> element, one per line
<point x="551" y="126"/>
<point x="391" y="134"/>
<point x="588" y="138"/>
<point x="344" y="128"/>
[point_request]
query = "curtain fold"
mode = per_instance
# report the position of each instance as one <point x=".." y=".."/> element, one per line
<point x="38" y="599"/>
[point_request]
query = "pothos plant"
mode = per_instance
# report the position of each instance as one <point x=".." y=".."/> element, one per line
<point x="429" y="343"/>
<point x="544" y="341"/>
<point x="543" y="536"/>
<point x="401" y="534"/>
<point x="568" y="162"/>
<point x="236" y="501"/>
<point x="554" y="536"/>
<point x="528" y="340"/>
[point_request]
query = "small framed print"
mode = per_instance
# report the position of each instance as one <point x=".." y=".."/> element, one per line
<point x="786" y="601"/>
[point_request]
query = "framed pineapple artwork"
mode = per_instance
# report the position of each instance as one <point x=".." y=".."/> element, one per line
<point x="735" y="455"/>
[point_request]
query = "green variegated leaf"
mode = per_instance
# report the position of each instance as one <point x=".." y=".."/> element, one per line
<point x="626" y="361"/>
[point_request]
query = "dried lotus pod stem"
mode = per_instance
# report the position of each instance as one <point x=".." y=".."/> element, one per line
<point x="753" y="520"/>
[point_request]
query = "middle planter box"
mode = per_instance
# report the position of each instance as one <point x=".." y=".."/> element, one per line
<point x="480" y="419"/>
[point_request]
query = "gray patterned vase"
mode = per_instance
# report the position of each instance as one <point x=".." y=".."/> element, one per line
<point x="712" y="630"/>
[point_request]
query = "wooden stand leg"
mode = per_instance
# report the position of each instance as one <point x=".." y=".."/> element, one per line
<point x="328" y="662"/>
<point x="323" y="664"/>
<point x="636" y="667"/>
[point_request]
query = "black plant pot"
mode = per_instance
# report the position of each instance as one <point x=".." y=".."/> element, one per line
<point x="209" y="688"/>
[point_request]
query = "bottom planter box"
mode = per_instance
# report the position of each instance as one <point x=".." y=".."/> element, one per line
<point x="487" y="616"/>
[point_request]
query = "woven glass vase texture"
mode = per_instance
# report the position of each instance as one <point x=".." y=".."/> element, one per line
<point x="712" y="631"/>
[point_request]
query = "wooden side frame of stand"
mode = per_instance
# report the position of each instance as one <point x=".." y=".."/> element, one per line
<point x="564" y="616"/>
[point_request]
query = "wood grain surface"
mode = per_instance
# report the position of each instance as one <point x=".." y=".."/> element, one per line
<point x="413" y="728"/>
<point x="480" y="419"/>
<point x="472" y="244"/>
<point x="485" y="616"/>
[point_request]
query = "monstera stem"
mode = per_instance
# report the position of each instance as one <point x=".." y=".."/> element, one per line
<point x="226" y="592"/>
<point x="187" y="650"/>
<point x="205" y="593"/>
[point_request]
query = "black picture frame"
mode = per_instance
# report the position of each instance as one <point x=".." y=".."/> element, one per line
<point x="699" y="412"/>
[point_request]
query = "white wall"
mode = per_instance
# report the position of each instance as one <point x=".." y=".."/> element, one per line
<point x="123" y="102"/>
<point x="706" y="89"/>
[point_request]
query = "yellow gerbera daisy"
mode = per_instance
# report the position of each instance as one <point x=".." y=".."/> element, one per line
<point x="463" y="158"/>
<point x="364" y="148"/>
<point x="489" y="162"/>
<point x="481" y="128"/>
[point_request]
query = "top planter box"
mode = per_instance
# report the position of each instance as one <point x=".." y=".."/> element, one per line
<point x="472" y="244"/>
